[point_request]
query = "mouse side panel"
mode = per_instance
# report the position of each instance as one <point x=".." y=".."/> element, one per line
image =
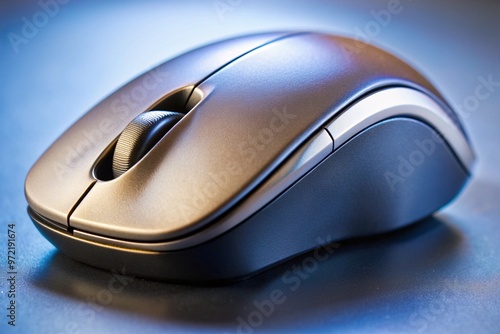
<point x="394" y="173"/>
<point x="388" y="176"/>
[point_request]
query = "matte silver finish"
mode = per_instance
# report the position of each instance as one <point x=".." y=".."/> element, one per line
<point x="64" y="172"/>
<point x="381" y="105"/>
<point x="247" y="124"/>
<point x="302" y="161"/>
<point x="247" y="137"/>
<point x="400" y="102"/>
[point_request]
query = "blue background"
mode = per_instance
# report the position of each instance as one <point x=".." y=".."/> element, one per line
<point x="440" y="275"/>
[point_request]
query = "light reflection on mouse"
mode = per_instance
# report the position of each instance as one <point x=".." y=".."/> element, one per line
<point x="248" y="152"/>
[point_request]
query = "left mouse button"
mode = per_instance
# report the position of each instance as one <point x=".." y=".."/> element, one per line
<point x="55" y="183"/>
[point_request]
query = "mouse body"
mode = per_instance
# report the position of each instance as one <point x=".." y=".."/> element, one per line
<point x="241" y="154"/>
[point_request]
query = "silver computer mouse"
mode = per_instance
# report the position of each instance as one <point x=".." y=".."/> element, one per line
<point x="241" y="154"/>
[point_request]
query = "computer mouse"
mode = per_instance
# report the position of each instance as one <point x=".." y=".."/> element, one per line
<point x="239" y="155"/>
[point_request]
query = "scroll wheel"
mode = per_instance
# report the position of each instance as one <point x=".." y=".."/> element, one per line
<point x="140" y="136"/>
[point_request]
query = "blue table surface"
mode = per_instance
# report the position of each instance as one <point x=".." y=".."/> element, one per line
<point x="439" y="275"/>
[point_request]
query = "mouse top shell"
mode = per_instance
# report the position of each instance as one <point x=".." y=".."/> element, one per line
<point x="249" y="104"/>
